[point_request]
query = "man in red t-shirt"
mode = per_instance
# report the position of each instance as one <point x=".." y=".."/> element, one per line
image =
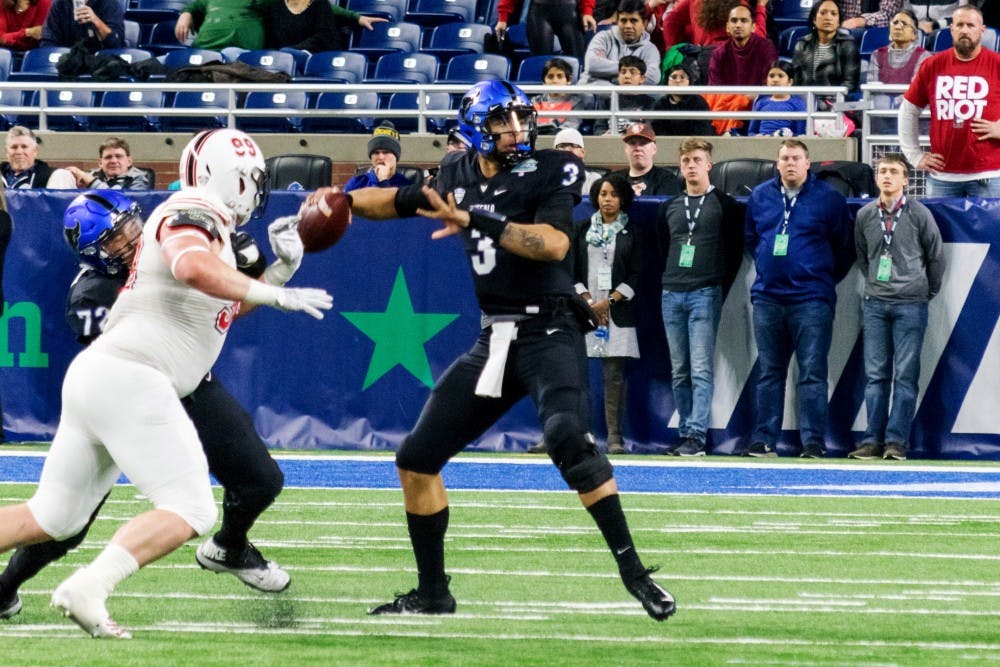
<point x="962" y="88"/>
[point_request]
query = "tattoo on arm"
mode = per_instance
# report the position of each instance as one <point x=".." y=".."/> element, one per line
<point x="523" y="236"/>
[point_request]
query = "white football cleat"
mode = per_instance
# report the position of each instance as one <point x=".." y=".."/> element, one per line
<point x="247" y="565"/>
<point x="82" y="599"/>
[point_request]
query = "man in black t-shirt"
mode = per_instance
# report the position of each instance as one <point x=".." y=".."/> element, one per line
<point x="645" y="177"/>
<point x="513" y="207"/>
<point x="701" y="238"/>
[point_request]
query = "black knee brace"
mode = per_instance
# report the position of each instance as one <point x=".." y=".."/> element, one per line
<point x="573" y="451"/>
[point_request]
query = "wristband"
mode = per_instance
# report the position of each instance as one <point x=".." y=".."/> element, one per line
<point x="488" y="222"/>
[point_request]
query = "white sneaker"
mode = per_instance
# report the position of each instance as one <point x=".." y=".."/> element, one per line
<point x="247" y="565"/>
<point x="10" y="608"/>
<point x="82" y="599"/>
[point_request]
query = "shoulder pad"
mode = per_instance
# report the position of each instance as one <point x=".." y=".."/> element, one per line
<point x="200" y="219"/>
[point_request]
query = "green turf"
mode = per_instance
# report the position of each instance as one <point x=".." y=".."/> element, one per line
<point x="758" y="580"/>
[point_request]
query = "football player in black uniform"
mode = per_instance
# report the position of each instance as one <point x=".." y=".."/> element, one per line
<point x="514" y="208"/>
<point x="103" y="227"/>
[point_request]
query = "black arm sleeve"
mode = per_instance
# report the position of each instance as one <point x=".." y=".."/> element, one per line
<point x="409" y="198"/>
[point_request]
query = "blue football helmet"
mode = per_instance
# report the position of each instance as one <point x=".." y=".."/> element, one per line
<point x="103" y="227"/>
<point x="498" y="100"/>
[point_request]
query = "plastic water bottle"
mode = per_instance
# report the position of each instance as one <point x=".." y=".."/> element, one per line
<point x="601" y="335"/>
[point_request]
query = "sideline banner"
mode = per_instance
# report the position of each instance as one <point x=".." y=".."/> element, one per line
<point x="404" y="309"/>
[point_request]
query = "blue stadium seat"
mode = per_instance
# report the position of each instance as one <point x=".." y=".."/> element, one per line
<point x="232" y="53"/>
<point x="486" y="12"/>
<point x="453" y="39"/>
<point x="272" y="100"/>
<point x="209" y="99"/>
<point x="6" y="59"/>
<point x="432" y="101"/>
<point x="873" y="39"/>
<point x="161" y="38"/>
<point x="517" y="40"/>
<point x="473" y="67"/>
<point x="406" y="68"/>
<point x="272" y="61"/>
<point x="300" y="57"/>
<point x="185" y="57"/>
<point x="388" y="37"/>
<point x="9" y="98"/>
<point x="530" y="69"/>
<point x="128" y="55"/>
<point x="939" y="40"/>
<point x="394" y="10"/>
<point x="788" y="13"/>
<point x="154" y="11"/>
<point x="133" y="34"/>
<point x="788" y="37"/>
<point x="42" y="60"/>
<point x="359" y="121"/>
<point x="62" y="98"/>
<point x="134" y="99"/>
<point x="436" y="12"/>
<point x="338" y="66"/>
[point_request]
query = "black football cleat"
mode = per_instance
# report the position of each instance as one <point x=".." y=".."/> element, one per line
<point x="415" y="603"/>
<point x="657" y="602"/>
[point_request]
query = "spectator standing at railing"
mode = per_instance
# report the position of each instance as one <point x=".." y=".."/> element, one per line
<point x="896" y="63"/>
<point x="854" y="14"/>
<point x="827" y="56"/>
<point x="312" y="26"/>
<point x="100" y="24"/>
<point x="962" y="88"/>
<point x="933" y="14"/>
<point x="383" y="151"/>
<point x="23" y="169"/>
<point x="21" y="23"/>
<point x="645" y="177"/>
<point x="626" y="38"/>
<point x="116" y="171"/>
<point x="223" y="23"/>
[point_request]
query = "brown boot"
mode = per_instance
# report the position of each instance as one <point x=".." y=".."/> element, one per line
<point x="614" y="402"/>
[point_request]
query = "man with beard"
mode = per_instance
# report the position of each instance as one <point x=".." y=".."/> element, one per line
<point x="962" y="87"/>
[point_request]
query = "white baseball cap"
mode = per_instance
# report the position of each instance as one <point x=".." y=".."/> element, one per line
<point x="568" y="136"/>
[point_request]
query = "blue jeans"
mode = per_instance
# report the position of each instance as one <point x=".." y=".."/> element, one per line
<point x="893" y="337"/>
<point x="986" y="187"/>
<point x="805" y="329"/>
<point x="690" y="320"/>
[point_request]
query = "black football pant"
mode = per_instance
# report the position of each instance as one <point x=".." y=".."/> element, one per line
<point x="237" y="458"/>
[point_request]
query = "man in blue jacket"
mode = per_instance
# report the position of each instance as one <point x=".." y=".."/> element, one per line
<point x="800" y="234"/>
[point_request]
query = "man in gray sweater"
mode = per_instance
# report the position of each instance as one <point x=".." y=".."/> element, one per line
<point x="627" y="37"/>
<point x="902" y="258"/>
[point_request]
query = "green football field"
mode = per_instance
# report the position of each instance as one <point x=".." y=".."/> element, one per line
<point x="770" y="580"/>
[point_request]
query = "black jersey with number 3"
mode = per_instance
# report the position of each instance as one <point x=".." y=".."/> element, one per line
<point x="542" y="189"/>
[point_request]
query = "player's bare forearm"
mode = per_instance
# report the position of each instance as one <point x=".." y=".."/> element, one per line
<point x="374" y="203"/>
<point x="205" y="272"/>
<point x="541" y="242"/>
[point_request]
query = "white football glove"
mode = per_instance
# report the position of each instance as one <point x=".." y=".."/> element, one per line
<point x="310" y="300"/>
<point x="287" y="247"/>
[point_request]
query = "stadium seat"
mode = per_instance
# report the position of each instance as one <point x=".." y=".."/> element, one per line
<point x="128" y="55"/>
<point x="154" y="11"/>
<point x="394" y="10"/>
<point x="6" y="60"/>
<point x="872" y="39"/>
<point x="272" y="61"/>
<point x="789" y="13"/>
<point x="186" y="57"/>
<point x="432" y="102"/>
<point x="436" y="12"/>
<point x="517" y="41"/>
<point x="453" y="39"/>
<point x="133" y="34"/>
<point x="361" y="107"/>
<point x="406" y="68"/>
<point x="788" y="37"/>
<point x="473" y="67"/>
<point x="848" y="177"/>
<point x="530" y="69"/>
<point x="55" y="99"/>
<point x="309" y="171"/>
<point x="388" y="37"/>
<point x="209" y="99"/>
<point x="161" y="38"/>
<point x="134" y="99"/>
<point x="939" y="40"/>
<point x="232" y="53"/>
<point x="486" y="12"/>
<point x="337" y="66"/>
<point x="9" y="97"/>
<point x="300" y="56"/>
<point x="738" y="177"/>
<point x="42" y="60"/>
<point x="272" y="100"/>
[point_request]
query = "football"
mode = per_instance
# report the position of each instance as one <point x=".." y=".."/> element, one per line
<point x="322" y="224"/>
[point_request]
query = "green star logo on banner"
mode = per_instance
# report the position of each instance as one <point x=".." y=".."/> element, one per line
<point x="399" y="335"/>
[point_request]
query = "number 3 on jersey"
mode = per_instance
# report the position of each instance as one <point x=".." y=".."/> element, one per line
<point x="484" y="259"/>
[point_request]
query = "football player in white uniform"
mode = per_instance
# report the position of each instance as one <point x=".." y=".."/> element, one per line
<point x="162" y="337"/>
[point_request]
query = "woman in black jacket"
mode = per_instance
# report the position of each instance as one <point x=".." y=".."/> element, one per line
<point x="606" y="270"/>
<point x="827" y="56"/>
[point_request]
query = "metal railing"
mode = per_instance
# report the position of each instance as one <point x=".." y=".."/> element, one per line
<point x="879" y="133"/>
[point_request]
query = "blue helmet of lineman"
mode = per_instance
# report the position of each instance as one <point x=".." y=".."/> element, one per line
<point x="498" y="100"/>
<point x="103" y="227"/>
